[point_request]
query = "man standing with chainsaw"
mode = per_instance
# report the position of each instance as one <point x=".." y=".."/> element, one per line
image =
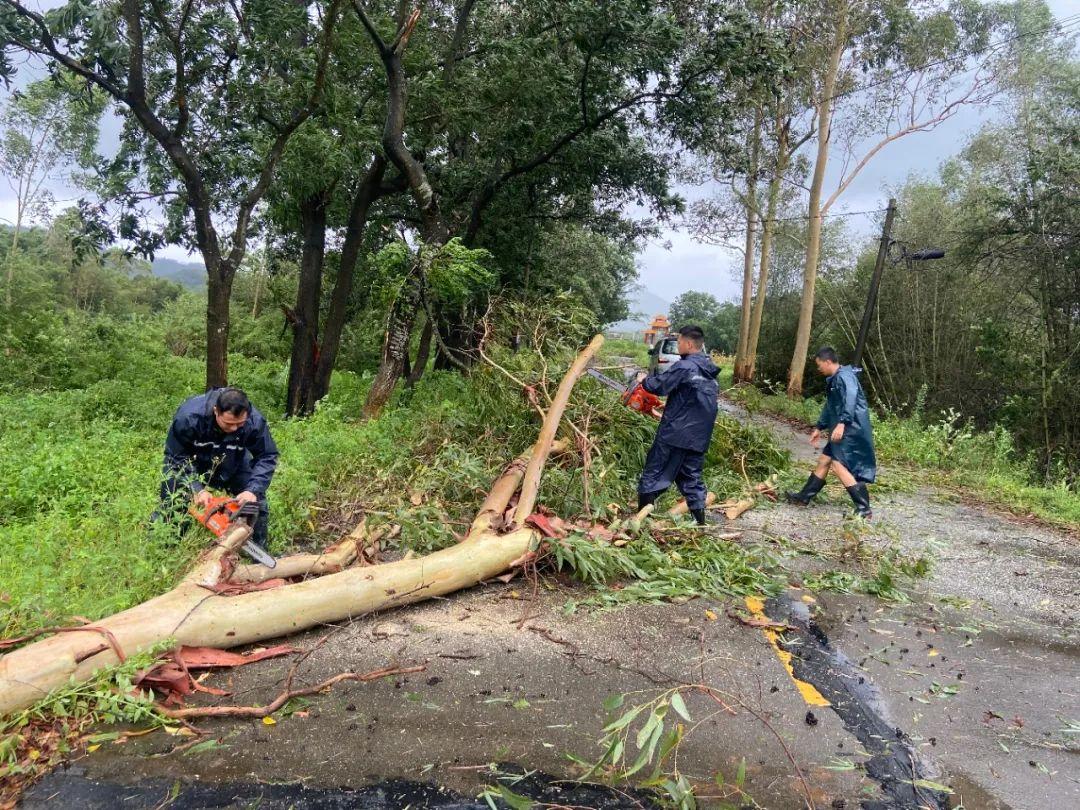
<point x="677" y="455"/>
<point x="219" y="440"/>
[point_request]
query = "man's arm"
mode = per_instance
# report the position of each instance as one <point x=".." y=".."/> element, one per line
<point x="179" y="462"/>
<point x="850" y="394"/>
<point x="664" y="384"/>
<point x="264" y="455"/>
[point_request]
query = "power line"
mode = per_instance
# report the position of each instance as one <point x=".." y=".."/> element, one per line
<point x="830" y="214"/>
<point x="1064" y="24"/>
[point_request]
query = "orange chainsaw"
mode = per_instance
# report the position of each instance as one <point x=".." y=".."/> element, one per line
<point x="221" y="513"/>
<point x="634" y="397"/>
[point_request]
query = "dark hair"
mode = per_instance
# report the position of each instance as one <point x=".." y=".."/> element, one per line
<point x="234" y="401"/>
<point x="693" y="334"/>
<point x="828" y="354"/>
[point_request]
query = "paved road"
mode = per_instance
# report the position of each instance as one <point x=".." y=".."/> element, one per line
<point x="969" y="685"/>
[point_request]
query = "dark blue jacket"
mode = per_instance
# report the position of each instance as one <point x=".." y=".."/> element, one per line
<point x="690" y="411"/>
<point x="196" y="446"/>
<point x="846" y="403"/>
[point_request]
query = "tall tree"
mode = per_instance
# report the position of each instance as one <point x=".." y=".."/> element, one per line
<point x="47" y="129"/>
<point x="920" y="68"/>
<point x="750" y="206"/>
<point x="210" y="93"/>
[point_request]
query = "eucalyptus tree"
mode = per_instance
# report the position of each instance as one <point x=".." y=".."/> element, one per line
<point x="890" y="68"/>
<point x="209" y="93"/>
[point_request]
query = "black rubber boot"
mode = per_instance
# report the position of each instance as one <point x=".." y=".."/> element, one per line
<point x="860" y="496"/>
<point x="699" y="516"/>
<point x="646" y="498"/>
<point x="811" y="488"/>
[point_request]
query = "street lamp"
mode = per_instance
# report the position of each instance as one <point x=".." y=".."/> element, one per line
<point x="926" y="254"/>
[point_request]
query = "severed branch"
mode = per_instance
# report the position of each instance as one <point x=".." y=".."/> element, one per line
<point x="356" y="546"/>
<point x="192" y="712"/>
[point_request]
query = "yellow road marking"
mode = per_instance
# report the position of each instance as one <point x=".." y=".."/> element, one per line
<point x="808" y="691"/>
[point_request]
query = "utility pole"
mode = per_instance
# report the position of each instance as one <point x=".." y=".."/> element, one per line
<point x="875" y="282"/>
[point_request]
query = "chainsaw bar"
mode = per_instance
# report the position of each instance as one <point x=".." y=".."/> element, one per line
<point x="603" y="379"/>
<point x="258" y="554"/>
<point x="249" y="513"/>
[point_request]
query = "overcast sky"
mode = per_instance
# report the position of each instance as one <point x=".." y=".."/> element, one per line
<point x="675" y="262"/>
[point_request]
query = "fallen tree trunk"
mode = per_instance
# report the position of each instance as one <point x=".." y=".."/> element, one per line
<point x="356" y="547"/>
<point x="196" y="615"/>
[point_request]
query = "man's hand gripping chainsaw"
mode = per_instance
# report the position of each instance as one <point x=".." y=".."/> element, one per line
<point x="634" y="396"/>
<point x="221" y="513"/>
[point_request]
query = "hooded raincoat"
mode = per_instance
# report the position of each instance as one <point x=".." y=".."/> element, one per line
<point x="677" y="455"/>
<point x="845" y="403"/>
<point x="690" y="411"/>
<point x="199" y="454"/>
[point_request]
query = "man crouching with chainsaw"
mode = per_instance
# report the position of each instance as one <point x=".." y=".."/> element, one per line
<point x="219" y="440"/>
<point x="677" y="455"/>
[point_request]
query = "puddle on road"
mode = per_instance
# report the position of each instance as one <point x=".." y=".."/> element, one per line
<point x="894" y="763"/>
<point x="71" y="789"/>
<point x="967" y="794"/>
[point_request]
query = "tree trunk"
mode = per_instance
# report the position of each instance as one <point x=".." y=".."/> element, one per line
<point x="367" y="192"/>
<point x="434" y="230"/>
<point x="768" y="228"/>
<point x="12" y="252"/>
<point x="219" y="279"/>
<point x="305" y="349"/>
<point x="396" y="341"/>
<point x="423" y="352"/>
<point x="197" y="614"/>
<point x="750" y="204"/>
<point x="454" y="334"/>
<point x="813" y="239"/>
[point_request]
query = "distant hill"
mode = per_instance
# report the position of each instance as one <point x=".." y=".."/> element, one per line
<point x="187" y="274"/>
<point x="643" y="306"/>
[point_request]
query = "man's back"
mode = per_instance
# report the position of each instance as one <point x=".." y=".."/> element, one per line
<point x="690" y="410"/>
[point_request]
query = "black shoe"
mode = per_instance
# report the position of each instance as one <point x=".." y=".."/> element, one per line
<point x="646" y="499"/>
<point x="699" y="516"/>
<point x="811" y="488"/>
<point x="860" y="496"/>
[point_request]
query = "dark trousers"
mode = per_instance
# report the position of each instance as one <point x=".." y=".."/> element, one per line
<point x="175" y="499"/>
<point x="666" y="465"/>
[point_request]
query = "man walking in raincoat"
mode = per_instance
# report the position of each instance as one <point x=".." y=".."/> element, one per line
<point x="677" y="455"/>
<point x="845" y="420"/>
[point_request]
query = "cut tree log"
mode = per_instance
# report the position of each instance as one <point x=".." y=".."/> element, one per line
<point x="681" y="508"/>
<point x="193" y="614"/>
<point x="736" y="508"/>
<point x="356" y="547"/>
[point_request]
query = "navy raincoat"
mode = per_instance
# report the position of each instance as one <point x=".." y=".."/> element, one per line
<point x="845" y="403"/>
<point x="677" y="455"/>
<point x="690" y="411"/>
<point x="197" y="447"/>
